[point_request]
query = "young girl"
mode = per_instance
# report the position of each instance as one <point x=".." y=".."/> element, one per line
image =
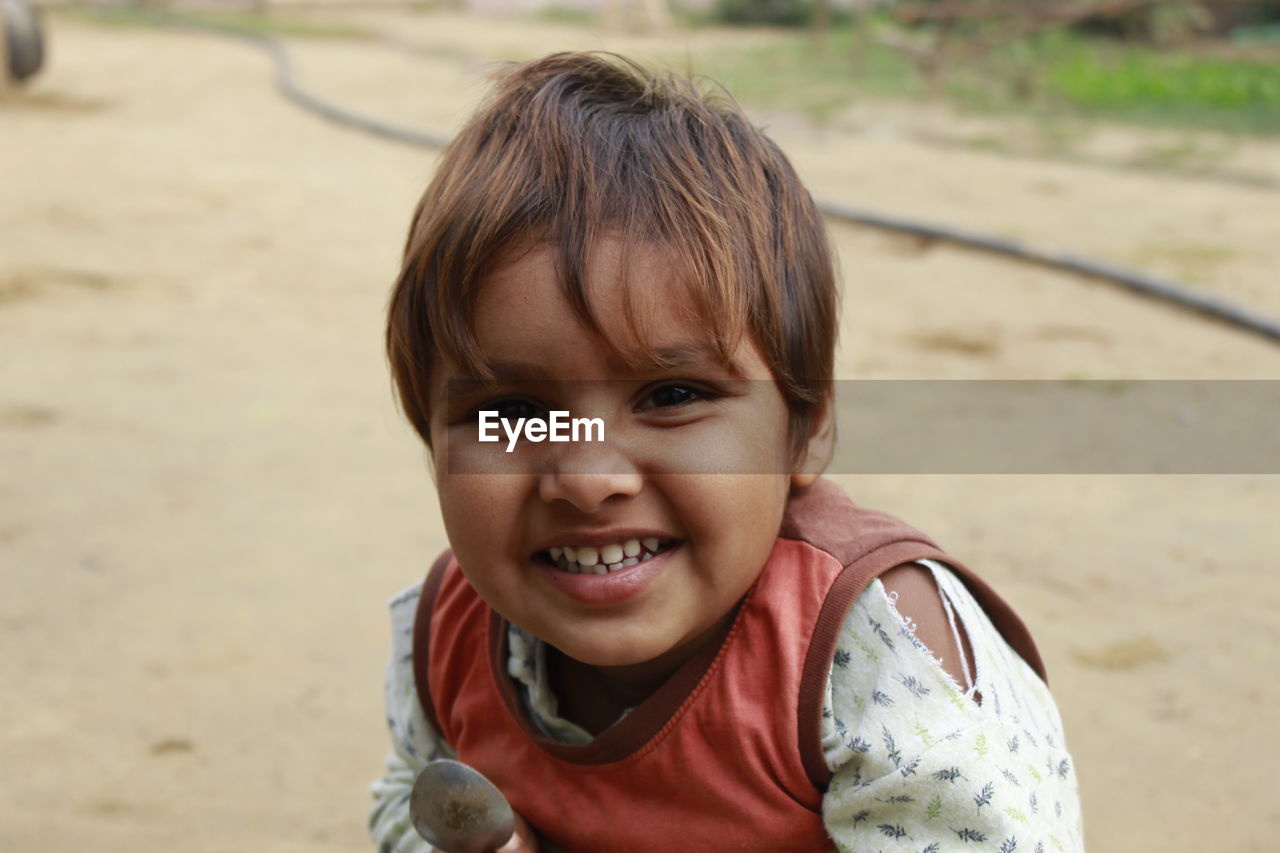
<point x="678" y="637"/>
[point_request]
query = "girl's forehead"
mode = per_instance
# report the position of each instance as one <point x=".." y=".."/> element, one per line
<point x="615" y="270"/>
<point x="634" y="311"/>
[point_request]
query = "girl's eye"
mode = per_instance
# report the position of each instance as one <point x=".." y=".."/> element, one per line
<point x="512" y="408"/>
<point x="673" y="395"/>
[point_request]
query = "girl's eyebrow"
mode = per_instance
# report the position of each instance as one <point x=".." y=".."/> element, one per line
<point x="693" y="355"/>
<point x="683" y="355"/>
<point x="513" y="371"/>
<point x="690" y="355"/>
<point x="680" y="355"/>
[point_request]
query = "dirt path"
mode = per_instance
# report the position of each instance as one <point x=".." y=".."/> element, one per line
<point x="208" y="495"/>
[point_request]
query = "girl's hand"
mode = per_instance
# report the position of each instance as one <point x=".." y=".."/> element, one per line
<point x="523" y="840"/>
<point x="527" y="840"/>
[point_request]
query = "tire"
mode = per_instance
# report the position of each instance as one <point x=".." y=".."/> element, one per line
<point x="23" y="39"/>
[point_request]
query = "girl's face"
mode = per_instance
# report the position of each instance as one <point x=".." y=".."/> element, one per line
<point x="631" y="550"/>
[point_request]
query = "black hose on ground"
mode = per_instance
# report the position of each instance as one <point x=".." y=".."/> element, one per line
<point x="291" y="90"/>
<point x="288" y="86"/>
<point x="1142" y="284"/>
<point x="1134" y="281"/>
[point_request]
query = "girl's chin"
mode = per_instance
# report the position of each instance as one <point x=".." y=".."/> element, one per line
<point x="607" y="657"/>
<point x="643" y="661"/>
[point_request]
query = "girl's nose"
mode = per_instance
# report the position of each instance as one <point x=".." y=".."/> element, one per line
<point x="588" y="476"/>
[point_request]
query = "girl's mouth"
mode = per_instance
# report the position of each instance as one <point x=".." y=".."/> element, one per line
<point x="605" y="559"/>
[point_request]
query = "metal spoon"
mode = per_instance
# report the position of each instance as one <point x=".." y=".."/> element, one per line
<point x="457" y="810"/>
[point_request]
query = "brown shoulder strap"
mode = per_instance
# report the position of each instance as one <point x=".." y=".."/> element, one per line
<point x="867" y="544"/>
<point x="422" y="637"/>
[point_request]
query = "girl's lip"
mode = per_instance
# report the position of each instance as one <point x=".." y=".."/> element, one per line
<point x="613" y="588"/>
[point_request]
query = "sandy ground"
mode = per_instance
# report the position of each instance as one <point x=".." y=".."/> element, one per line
<point x="207" y="494"/>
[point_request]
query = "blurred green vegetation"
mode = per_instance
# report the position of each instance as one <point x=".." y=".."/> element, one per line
<point x="1057" y="72"/>
<point x="1055" y="75"/>
<point x="232" y="21"/>
<point x="786" y="70"/>
<point x="558" y="14"/>
<point x="1164" y="85"/>
<point x="777" y="13"/>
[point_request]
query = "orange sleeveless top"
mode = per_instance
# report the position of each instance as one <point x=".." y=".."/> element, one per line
<point x="727" y="754"/>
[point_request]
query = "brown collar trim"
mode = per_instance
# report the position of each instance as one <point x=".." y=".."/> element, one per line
<point x="422" y="637"/>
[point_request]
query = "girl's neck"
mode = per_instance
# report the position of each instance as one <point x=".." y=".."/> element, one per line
<point x="595" y="697"/>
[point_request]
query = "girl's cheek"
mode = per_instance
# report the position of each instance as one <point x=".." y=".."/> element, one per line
<point x="709" y="448"/>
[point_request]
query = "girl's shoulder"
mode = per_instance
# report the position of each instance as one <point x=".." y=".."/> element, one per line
<point x="957" y="670"/>
<point x="913" y="747"/>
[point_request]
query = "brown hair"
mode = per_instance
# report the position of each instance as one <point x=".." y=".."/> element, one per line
<point x="572" y="147"/>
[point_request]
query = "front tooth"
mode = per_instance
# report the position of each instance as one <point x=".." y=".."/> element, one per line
<point x="631" y="547"/>
<point x="555" y="553"/>
<point x="650" y="544"/>
<point x="611" y="554"/>
<point x="629" y="562"/>
<point x="570" y="554"/>
<point x="613" y="567"/>
<point x="588" y="556"/>
<point x="602" y="569"/>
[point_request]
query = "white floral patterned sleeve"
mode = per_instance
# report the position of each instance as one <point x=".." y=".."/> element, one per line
<point x="413" y="741"/>
<point x="918" y="764"/>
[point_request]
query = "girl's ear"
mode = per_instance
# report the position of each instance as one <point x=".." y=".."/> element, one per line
<point x="817" y="450"/>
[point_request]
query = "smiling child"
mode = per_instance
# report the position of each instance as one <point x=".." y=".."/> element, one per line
<point x="677" y="638"/>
